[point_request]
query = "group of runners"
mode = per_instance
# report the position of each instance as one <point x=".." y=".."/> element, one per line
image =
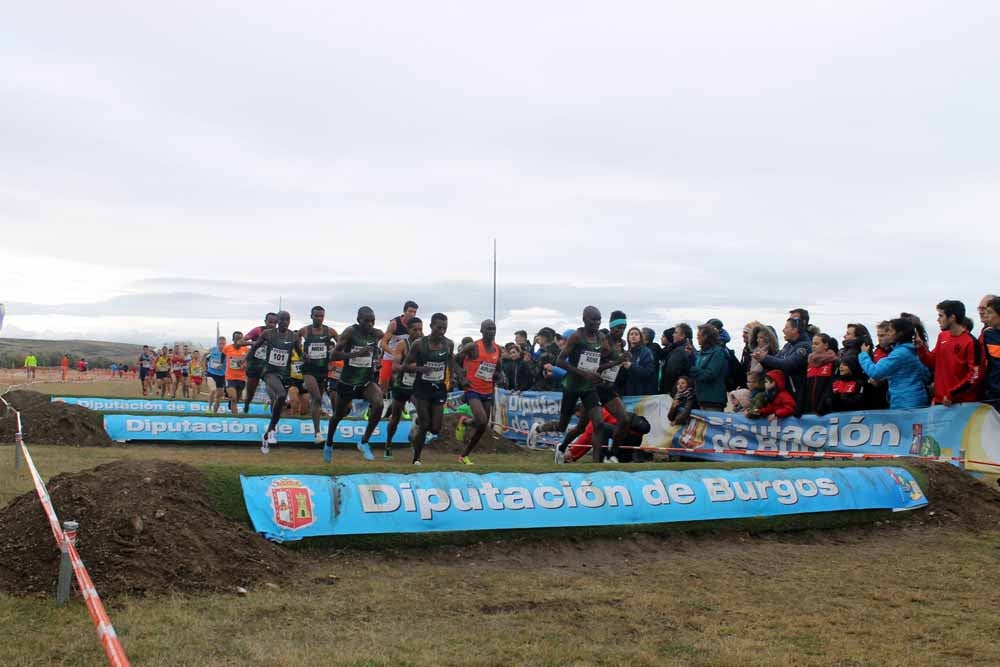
<point x="168" y="370"/>
<point x="389" y="369"/>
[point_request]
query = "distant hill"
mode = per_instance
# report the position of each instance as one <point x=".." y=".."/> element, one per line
<point x="98" y="353"/>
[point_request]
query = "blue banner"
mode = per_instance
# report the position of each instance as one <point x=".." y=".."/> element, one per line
<point x="125" y="428"/>
<point x="935" y="431"/>
<point x="517" y="411"/>
<point x="105" y="404"/>
<point x="296" y="506"/>
<point x="99" y="404"/>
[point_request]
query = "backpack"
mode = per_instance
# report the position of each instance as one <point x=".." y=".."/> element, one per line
<point x="736" y="377"/>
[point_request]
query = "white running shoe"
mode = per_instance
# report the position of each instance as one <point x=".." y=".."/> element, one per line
<point x="417" y="463"/>
<point x="560" y="456"/>
<point x="272" y="438"/>
<point x="610" y="459"/>
<point x="318" y="439"/>
<point x="265" y="448"/>
<point x="533" y="435"/>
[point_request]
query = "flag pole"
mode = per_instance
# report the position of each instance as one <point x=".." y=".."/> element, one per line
<point x="494" y="280"/>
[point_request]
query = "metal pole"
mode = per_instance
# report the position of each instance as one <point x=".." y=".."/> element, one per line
<point x="494" y="280"/>
<point x="65" y="566"/>
<point x="17" y="451"/>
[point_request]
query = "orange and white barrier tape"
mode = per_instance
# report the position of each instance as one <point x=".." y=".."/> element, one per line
<point x="105" y="631"/>
<point x="786" y="454"/>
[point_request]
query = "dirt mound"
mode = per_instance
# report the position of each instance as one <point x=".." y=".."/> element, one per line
<point x="490" y="443"/>
<point x="48" y="423"/>
<point x="145" y="527"/>
<point x="957" y="498"/>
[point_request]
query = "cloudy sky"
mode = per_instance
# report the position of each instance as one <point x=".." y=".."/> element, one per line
<point x="165" y="167"/>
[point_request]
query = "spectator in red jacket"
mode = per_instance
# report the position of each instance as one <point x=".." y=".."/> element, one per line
<point x="955" y="360"/>
<point x="780" y="401"/>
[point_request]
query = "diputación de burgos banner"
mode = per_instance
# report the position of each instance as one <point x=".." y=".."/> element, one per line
<point x="518" y="410"/>
<point x="969" y="430"/>
<point x="296" y="506"/>
<point x="180" y="428"/>
<point x="100" y="404"/>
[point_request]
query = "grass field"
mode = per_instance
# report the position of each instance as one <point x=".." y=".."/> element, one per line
<point x="875" y="595"/>
<point x="896" y="592"/>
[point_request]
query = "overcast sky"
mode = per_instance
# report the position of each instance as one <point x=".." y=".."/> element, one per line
<point x="164" y="167"/>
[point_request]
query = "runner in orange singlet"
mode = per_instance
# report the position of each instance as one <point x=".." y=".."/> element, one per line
<point x="481" y="361"/>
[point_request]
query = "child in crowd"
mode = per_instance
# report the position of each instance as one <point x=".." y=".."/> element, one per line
<point x="684" y="402"/>
<point x="849" y="387"/>
<point x="750" y="397"/>
<point x="778" y="400"/>
<point x="818" y="399"/>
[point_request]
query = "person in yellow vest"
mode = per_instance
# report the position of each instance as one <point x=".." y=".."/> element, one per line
<point x="30" y="364"/>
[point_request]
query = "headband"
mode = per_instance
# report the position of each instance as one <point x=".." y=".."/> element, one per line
<point x="618" y="323"/>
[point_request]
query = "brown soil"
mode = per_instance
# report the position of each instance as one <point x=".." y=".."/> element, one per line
<point x="145" y="527"/>
<point x="490" y="443"/>
<point x="48" y="423"/>
<point x="956" y="498"/>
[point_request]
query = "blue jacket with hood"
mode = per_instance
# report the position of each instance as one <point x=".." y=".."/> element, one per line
<point x="906" y="374"/>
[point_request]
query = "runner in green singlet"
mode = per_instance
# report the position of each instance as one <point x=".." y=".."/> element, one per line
<point x="429" y="358"/>
<point x="315" y="342"/>
<point x="278" y="344"/>
<point x="402" y="383"/>
<point x="581" y="358"/>
<point x="356" y="347"/>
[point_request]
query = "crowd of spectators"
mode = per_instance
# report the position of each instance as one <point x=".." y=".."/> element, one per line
<point x="808" y="372"/>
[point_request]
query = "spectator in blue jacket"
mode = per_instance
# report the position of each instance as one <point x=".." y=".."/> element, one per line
<point x="907" y="376"/>
<point x="793" y="358"/>
<point x="709" y="370"/>
<point x="640" y="379"/>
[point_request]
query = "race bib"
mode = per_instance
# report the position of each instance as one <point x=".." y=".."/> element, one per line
<point x="215" y="364"/>
<point x="296" y="368"/>
<point x="178" y="367"/>
<point x="337" y="372"/>
<point x="145" y="363"/>
<point x="485" y="371"/>
<point x="408" y="379"/>
<point x="196" y="372"/>
<point x="434" y="372"/>
<point x="261" y="353"/>
<point x="278" y="357"/>
<point x="590" y="360"/>
<point x="237" y="363"/>
<point x="361" y="362"/>
<point x="316" y="351"/>
<point x="611" y="374"/>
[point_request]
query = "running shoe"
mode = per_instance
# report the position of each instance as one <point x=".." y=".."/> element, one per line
<point x="560" y="456"/>
<point x="417" y="462"/>
<point x="327" y="453"/>
<point x="366" y="451"/>
<point x="533" y="436"/>
<point x="610" y="459"/>
<point x="460" y="430"/>
<point x="264" y="446"/>
<point x="272" y="438"/>
<point x="318" y="439"/>
<point x="387" y="455"/>
<point x="465" y="460"/>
